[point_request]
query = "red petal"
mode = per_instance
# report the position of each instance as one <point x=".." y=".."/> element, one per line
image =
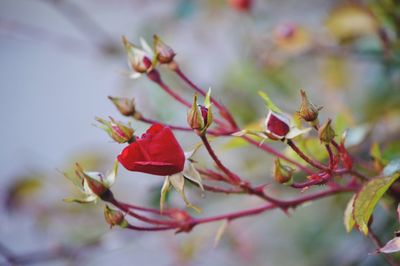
<point x="277" y="126"/>
<point x="157" y="152"/>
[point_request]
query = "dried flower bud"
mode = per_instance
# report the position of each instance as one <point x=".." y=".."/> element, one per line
<point x="164" y="53"/>
<point x="118" y="131"/>
<point x="199" y="116"/>
<point x="326" y="133"/>
<point x="124" y="105"/>
<point x="308" y="111"/>
<point x="277" y="125"/>
<point x="282" y="173"/>
<point x="114" y="217"/>
<point x="138" y="59"/>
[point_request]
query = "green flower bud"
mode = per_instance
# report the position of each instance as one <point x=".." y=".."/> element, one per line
<point x="326" y="133"/>
<point x="199" y="116"/>
<point x="164" y="53"/>
<point x="124" y="105"/>
<point x="118" y="131"/>
<point x="282" y="173"/>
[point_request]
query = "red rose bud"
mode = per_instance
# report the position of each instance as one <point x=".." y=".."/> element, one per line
<point x="124" y="105"/>
<point x="156" y="152"/>
<point x="137" y="58"/>
<point x="277" y="125"/>
<point x="241" y="5"/>
<point x="114" y="217"/>
<point x="326" y="133"/>
<point x="118" y="131"/>
<point x="94" y="180"/>
<point x="282" y="173"/>
<point x="308" y="111"/>
<point x="164" y="53"/>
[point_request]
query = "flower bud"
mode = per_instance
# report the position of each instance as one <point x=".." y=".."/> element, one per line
<point x="138" y="59"/>
<point x="114" y="217"/>
<point x="277" y="125"/>
<point x="326" y="133"/>
<point x="308" y="111"/>
<point x="195" y="117"/>
<point x="282" y="173"/>
<point x="124" y="105"/>
<point x="164" y="53"/>
<point x="94" y="181"/>
<point x="118" y="131"/>
<point x="199" y="116"/>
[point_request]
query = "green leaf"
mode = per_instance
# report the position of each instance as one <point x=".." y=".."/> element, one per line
<point x="368" y="197"/>
<point x="348" y="215"/>
<point x="270" y="105"/>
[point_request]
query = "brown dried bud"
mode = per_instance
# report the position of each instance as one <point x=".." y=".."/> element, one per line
<point x="326" y="133"/>
<point x="124" y="105"/>
<point x="308" y="111"/>
<point x="114" y="217"/>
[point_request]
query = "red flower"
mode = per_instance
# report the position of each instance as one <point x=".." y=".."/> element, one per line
<point x="157" y="152"/>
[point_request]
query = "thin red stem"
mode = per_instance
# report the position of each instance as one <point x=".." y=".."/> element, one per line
<point x="232" y="176"/>
<point x="310" y="161"/>
<point x="269" y="206"/>
<point x="276" y="153"/>
<point x="138" y="216"/>
<point x="152" y="229"/>
<point x="174" y="95"/>
<point x="180" y="128"/>
<point x="236" y="180"/>
<point x="330" y="154"/>
<point x="223" y="110"/>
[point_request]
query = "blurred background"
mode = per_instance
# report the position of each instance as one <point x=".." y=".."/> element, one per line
<point x="60" y="59"/>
